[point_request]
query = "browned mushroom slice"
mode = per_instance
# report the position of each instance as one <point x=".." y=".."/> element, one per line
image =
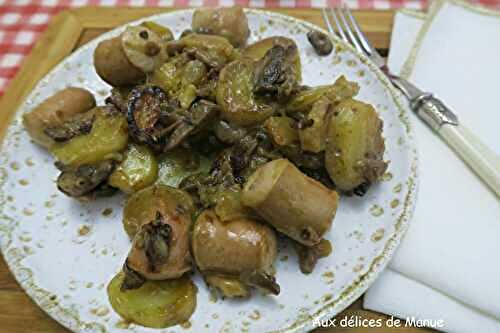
<point x="80" y="181"/>
<point x="241" y="249"/>
<point x="293" y="203"/>
<point x="80" y="124"/>
<point x="309" y="255"/>
<point x="144" y="116"/>
<point x="199" y="115"/>
<point x="320" y="42"/>
<point x="131" y="279"/>
<point x="276" y="73"/>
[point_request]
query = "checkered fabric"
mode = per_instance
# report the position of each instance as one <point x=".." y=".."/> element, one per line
<point x="22" y="21"/>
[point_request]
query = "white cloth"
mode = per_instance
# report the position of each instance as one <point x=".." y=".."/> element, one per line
<point x="448" y="256"/>
<point x="405" y="298"/>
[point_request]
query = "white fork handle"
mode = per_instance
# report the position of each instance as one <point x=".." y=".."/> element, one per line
<point x="481" y="159"/>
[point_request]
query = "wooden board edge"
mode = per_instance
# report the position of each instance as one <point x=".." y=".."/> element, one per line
<point x="109" y="17"/>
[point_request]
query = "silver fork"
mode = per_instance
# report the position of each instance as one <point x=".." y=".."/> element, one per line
<point x="483" y="161"/>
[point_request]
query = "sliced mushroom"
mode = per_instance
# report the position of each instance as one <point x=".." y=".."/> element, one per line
<point x="199" y="115"/>
<point x="231" y="23"/>
<point x="309" y="255"/>
<point x="80" y="124"/>
<point x="276" y="73"/>
<point x="293" y="203"/>
<point x="82" y="180"/>
<point x="320" y="42"/>
<point x="236" y="97"/>
<point x="241" y="249"/>
<point x="144" y="116"/>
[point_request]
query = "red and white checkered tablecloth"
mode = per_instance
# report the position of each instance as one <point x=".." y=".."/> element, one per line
<point x="22" y="21"/>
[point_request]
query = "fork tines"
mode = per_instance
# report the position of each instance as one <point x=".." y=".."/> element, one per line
<point x="341" y="21"/>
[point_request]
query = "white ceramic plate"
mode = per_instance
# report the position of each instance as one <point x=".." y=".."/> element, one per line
<point x="63" y="253"/>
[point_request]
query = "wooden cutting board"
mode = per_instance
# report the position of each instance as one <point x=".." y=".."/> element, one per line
<point x="68" y="31"/>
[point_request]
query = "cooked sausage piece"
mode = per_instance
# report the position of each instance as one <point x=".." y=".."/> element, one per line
<point x="296" y="205"/>
<point x="61" y="107"/>
<point x="161" y="218"/>
<point x="241" y="248"/>
<point x="113" y="66"/>
<point x="231" y="23"/>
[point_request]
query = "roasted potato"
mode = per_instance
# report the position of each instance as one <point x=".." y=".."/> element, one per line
<point x="296" y="205"/>
<point x="213" y="51"/>
<point x="181" y="78"/>
<point x="108" y="136"/>
<point x="354" y="146"/>
<point x="156" y="304"/>
<point x="231" y="23"/>
<point x="229" y="206"/>
<point x="236" y="98"/>
<point x="281" y="130"/>
<point x="312" y="132"/>
<point x="339" y="90"/>
<point x="176" y="165"/>
<point x="56" y="110"/>
<point x="138" y="170"/>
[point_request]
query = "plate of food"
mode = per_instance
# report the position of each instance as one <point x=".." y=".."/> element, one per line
<point x="217" y="170"/>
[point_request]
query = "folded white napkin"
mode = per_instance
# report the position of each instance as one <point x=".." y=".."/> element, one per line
<point x="447" y="261"/>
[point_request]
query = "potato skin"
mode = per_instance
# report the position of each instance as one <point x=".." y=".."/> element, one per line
<point x="56" y="110"/>
<point x="295" y="204"/>
<point x="354" y="146"/>
<point x="156" y="304"/>
<point x="313" y="137"/>
<point x="113" y="66"/>
<point x="138" y="170"/>
<point x="232" y="247"/>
